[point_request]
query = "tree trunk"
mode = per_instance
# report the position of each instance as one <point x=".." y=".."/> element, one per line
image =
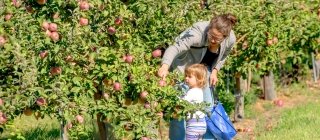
<point x="239" y="103"/>
<point x="249" y="80"/>
<point x="64" y="131"/>
<point x="102" y="128"/>
<point x="268" y="86"/>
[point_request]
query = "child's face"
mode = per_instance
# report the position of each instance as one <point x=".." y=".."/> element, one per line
<point x="191" y="81"/>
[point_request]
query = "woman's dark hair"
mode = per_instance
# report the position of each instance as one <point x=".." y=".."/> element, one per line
<point x="223" y="23"/>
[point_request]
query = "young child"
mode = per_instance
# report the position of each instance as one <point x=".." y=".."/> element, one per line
<point x="196" y="79"/>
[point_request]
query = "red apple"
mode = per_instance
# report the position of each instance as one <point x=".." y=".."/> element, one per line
<point x="2" y="40"/>
<point x="279" y="102"/>
<point x="45" y="25"/>
<point x="48" y="33"/>
<point x="84" y="6"/>
<point x="16" y="3"/>
<point x="54" y="36"/>
<point x="79" y="119"/>
<point x="41" y="101"/>
<point x="269" y="42"/>
<point x="145" y="138"/>
<point x="55" y="70"/>
<point x="41" y="2"/>
<point x="118" y="21"/>
<point x="129" y="58"/>
<point x="3" y="118"/>
<point x="83" y="21"/>
<point x="117" y="86"/>
<point x="147" y="105"/>
<point x="7" y="17"/>
<point x="1" y="102"/>
<point x="162" y="83"/>
<point x="143" y="94"/>
<point x="53" y="27"/>
<point x="43" y="54"/>
<point x="156" y="53"/>
<point x="27" y="111"/>
<point x="111" y="30"/>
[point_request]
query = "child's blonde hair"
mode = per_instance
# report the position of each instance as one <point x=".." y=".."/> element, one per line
<point x="200" y="72"/>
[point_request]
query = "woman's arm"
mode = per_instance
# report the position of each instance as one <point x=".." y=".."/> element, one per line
<point x="190" y="37"/>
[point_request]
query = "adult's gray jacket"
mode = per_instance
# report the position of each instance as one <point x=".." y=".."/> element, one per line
<point x="191" y="46"/>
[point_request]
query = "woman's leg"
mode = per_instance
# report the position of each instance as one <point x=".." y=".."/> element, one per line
<point x="177" y="129"/>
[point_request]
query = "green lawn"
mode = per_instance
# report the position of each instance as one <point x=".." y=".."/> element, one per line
<point x="28" y="128"/>
<point x="299" y="123"/>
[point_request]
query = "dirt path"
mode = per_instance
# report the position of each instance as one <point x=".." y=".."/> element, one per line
<point x="268" y="111"/>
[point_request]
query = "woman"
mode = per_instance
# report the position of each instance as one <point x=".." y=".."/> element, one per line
<point x="208" y="43"/>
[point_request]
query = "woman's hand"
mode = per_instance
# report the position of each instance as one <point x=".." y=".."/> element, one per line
<point x="163" y="71"/>
<point x="214" y="77"/>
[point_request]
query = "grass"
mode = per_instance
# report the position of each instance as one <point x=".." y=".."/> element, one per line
<point x="296" y="120"/>
<point x="28" y="128"/>
<point x="298" y="123"/>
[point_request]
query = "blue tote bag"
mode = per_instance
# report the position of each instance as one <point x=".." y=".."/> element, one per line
<point x="218" y="121"/>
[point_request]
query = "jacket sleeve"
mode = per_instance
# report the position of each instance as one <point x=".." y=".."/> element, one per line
<point x="229" y="47"/>
<point x="190" y="37"/>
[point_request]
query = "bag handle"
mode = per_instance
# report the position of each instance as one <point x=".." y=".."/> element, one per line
<point x="214" y="94"/>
